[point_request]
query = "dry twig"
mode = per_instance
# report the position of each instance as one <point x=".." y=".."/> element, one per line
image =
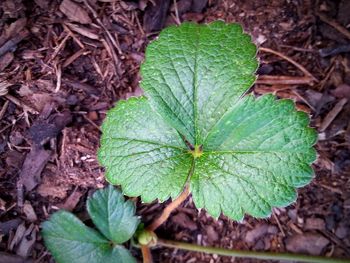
<point x="110" y="37"/>
<point x="334" y="24"/>
<point x="300" y="67"/>
<point x="284" y="80"/>
<point x="332" y="114"/>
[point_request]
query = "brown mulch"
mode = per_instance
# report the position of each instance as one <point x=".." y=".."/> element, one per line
<point x="64" y="63"/>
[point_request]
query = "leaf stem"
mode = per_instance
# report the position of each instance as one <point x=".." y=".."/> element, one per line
<point x="249" y="254"/>
<point x="169" y="209"/>
<point x="146" y="254"/>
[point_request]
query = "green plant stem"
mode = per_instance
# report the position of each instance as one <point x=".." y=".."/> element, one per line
<point x="249" y="254"/>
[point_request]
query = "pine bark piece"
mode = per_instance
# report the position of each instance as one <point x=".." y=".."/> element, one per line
<point x="75" y="12"/>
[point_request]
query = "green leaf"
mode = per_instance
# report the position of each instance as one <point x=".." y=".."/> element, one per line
<point x="142" y="153"/>
<point x="238" y="153"/>
<point x="69" y="240"/>
<point x="256" y="156"/>
<point x="114" y="217"/>
<point x="194" y="74"/>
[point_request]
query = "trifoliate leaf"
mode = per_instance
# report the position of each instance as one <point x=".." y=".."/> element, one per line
<point x="69" y="240"/>
<point x="114" y="217"/>
<point x="239" y="154"/>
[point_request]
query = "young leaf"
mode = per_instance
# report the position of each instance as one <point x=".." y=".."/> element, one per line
<point x="114" y="217"/>
<point x="69" y="240"/>
<point x="239" y="154"/>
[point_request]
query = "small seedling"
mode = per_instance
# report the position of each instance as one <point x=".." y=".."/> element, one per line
<point x="70" y="240"/>
<point x="195" y="131"/>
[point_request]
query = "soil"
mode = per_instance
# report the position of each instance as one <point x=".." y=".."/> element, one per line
<point x="63" y="64"/>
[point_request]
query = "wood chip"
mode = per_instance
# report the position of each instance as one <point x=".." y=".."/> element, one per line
<point x="256" y="233"/>
<point x="333" y="114"/>
<point x="84" y="31"/>
<point x="71" y="201"/>
<point x="7" y="226"/>
<point x="21" y="229"/>
<point x="32" y="167"/>
<point x="315" y="224"/>
<point x="8" y="258"/>
<point x="27" y="243"/>
<point x="4" y="85"/>
<point x="2" y="205"/>
<point x="310" y="243"/>
<point x="155" y="15"/>
<point x="6" y="60"/>
<point x="183" y="220"/>
<point x="75" y="12"/>
<point x="28" y="210"/>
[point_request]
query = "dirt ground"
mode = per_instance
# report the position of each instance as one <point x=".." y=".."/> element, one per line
<point x="63" y="64"/>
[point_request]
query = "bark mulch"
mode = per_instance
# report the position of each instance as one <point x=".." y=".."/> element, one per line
<point x="63" y="64"/>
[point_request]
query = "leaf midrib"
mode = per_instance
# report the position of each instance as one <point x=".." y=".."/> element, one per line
<point x="195" y="86"/>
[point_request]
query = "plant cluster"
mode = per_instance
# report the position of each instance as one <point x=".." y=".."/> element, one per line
<point x="196" y="131"/>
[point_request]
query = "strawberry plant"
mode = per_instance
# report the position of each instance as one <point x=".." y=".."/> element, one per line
<point x="69" y="240"/>
<point x="196" y="126"/>
<point x="196" y="131"/>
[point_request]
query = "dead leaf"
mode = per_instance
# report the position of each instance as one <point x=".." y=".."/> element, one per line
<point x="75" y="12"/>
